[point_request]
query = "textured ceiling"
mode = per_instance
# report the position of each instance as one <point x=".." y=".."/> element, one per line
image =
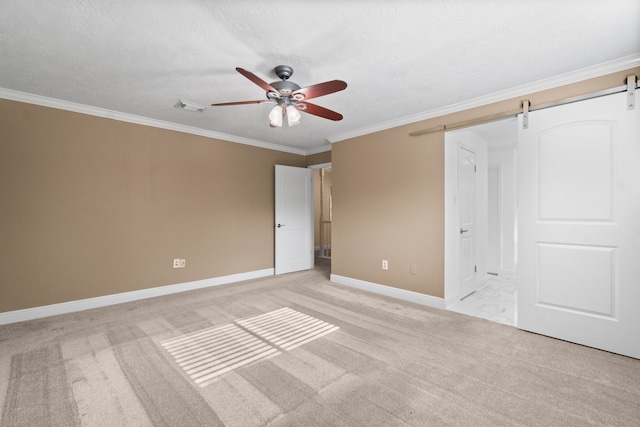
<point x="401" y="59"/>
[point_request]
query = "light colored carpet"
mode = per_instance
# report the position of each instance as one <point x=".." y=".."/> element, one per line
<point x="366" y="360"/>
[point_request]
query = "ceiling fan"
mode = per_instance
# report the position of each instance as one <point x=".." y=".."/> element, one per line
<point x="290" y="98"/>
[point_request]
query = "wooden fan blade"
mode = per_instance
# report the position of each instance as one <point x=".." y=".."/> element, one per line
<point x="257" y="80"/>
<point x="319" y="111"/>
<point x="321" y="89"/>
<point x="240" y="103"/>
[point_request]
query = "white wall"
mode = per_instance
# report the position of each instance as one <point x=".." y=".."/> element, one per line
<point x="494" y="217"/>
<point x="503" y="158"/>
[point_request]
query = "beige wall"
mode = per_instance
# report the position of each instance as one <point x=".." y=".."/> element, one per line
<point x="92" y="207"/>
<point x="319" y="158"/>
<point x="387" y="204"/>
<point x="388" y="193"/>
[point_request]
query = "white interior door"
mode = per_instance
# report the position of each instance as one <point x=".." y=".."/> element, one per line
<point x="294" y="219"/>
<point x="467" y="196"/>
<point x="579" y="234"/>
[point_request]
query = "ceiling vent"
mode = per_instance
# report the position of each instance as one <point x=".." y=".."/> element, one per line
<point x="189" y="106"/>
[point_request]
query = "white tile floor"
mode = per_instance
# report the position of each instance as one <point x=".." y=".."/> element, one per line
<point x="495" y="301"/>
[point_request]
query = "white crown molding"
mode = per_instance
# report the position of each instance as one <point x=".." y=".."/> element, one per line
<point x="140" y="120"/>
<point x="621" y="64"/>
<point x="319" y="149"/>
<point x="320" y="166"/>
<point x="563" y="79"/>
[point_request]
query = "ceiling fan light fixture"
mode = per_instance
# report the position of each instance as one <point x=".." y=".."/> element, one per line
<point x="276" y="115"/>
<point x="273" y="95"/>
<point x="293" y="115"/>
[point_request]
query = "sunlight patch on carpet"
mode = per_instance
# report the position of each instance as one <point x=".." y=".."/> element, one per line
<point x="209" y="353"/>
<point x="206" y="354"/>
<point x="287" y="328"/>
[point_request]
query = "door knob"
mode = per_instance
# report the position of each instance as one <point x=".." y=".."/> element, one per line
<point x="462" y="230"/>
<point x="280" y="225"/>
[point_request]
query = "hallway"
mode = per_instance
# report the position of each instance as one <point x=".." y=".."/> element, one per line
<point x="496" y="301"/>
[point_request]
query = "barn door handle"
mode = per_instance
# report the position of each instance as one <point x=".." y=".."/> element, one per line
<point x="280" y="225"/>
<point x="462" y="230"/>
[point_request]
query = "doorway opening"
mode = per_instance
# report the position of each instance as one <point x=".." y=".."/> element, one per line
<point x="490" y="258"/>
<point x="323" y="212"/>
<point x="323" y="215"/>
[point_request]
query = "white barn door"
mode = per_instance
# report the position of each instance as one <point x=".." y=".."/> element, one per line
<point x="294" y="219"/>
<point x="579" y="224"/>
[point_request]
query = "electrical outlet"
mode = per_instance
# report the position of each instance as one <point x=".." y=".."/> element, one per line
<point x="176" y="263"/>
<point x="183" y="263"/>
<point x="385" y="264"/>
<point x="412" y="269"/>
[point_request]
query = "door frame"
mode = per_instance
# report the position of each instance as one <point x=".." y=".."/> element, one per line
<point x="468" y="267"/>
<point x="477" y="144"/>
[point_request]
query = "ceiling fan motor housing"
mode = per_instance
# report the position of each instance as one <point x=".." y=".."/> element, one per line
<point x="284" y="87"/>
<point x="284" y="71"/>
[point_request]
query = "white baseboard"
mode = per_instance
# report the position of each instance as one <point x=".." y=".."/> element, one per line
<point x="508" y="275"/>
<point x="85" y="304"/>
<point x="451" y="301"/>
<point x="390" y="291"/>
<point x="454" y="299"/>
